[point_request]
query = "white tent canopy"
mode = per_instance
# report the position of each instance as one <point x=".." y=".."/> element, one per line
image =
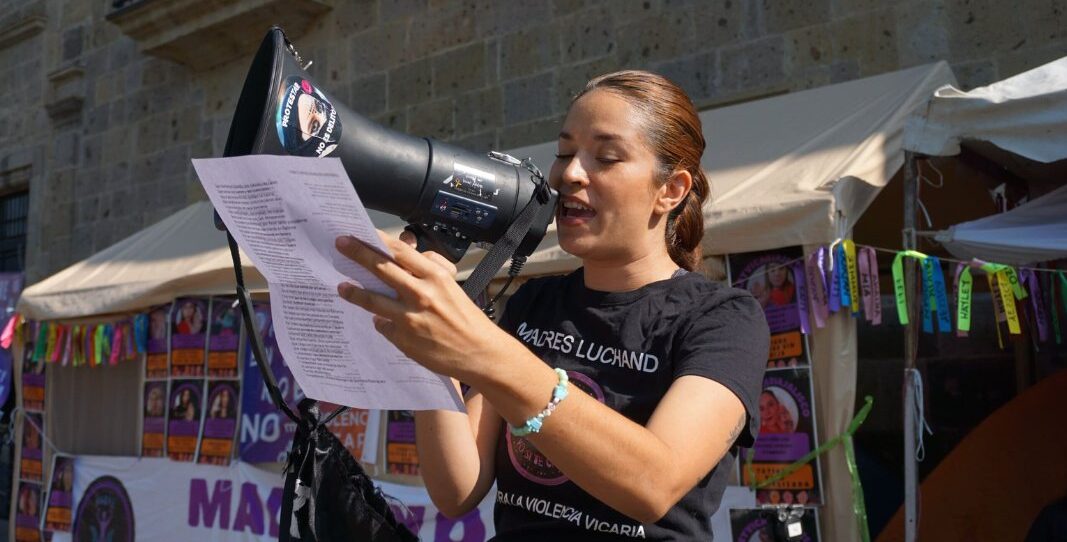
<point x="1033" y="232"/>
<point x="1025" y="115"/>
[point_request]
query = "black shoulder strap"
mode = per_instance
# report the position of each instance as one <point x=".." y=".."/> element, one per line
<point x="254" y="337"/>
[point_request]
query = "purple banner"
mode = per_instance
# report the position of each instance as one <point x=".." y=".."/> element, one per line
<point x="769" y="276"/>
<point x="265" y="433"/>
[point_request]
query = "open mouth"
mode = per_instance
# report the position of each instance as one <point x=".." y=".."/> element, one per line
<point x="574" y="209"/>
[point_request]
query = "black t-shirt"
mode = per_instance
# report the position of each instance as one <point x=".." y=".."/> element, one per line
<point x="626" y="349"/>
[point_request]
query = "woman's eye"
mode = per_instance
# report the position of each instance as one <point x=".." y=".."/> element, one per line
<point x="564" y="156"/>
<point x="608" y="160"/>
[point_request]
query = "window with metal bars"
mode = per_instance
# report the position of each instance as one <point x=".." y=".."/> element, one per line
<point x="14" y="209"/>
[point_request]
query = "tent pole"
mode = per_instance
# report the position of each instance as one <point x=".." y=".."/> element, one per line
<point x="911" y="350"/>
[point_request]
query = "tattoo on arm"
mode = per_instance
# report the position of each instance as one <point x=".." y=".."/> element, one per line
<point x="736" y="430"/>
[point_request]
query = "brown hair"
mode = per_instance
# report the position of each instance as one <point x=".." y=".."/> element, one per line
<point x="673" y="132"/>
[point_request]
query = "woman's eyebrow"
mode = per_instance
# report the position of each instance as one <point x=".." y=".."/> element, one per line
<point x="599" y="137"/>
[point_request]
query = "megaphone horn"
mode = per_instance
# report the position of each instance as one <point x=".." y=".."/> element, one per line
<point x="450" y="196"/>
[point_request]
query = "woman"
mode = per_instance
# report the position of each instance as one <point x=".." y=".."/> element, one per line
<point x="663" y="367"/>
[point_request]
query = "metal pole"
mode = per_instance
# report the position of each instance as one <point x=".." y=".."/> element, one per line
<point x="911" y="351"/>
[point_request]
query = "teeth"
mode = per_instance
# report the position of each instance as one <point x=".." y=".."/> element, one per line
<point x="576" y="205"/>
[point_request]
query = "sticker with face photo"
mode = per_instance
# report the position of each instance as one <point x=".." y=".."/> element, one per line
<point x="308" y="124"/>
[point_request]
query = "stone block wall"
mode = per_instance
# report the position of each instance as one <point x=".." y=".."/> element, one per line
<point x="107" y="132"/>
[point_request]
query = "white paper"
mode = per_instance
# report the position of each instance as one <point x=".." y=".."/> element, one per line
<point x="285" y="213"/>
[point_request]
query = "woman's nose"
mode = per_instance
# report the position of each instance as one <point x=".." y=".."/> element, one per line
<point x="573" y="172"/>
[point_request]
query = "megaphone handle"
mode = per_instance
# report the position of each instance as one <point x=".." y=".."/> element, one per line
<point x="449" y="246"/>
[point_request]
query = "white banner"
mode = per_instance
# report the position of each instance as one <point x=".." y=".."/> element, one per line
<point x="124" y="499"/>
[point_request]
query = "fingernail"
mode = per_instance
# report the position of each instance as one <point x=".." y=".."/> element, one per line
<point x="343" y="241"/>
<point x="343" y="288"/>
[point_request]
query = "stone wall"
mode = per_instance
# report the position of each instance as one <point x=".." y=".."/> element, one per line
<point x="107" y="132"/>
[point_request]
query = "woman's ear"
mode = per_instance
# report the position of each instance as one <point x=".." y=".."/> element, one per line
<point x="673" y="192"/>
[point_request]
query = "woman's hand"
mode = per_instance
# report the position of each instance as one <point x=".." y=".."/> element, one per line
<point x="431" y="321"/>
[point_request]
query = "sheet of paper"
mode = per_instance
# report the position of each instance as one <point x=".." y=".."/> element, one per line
<point x="285" y="212"/>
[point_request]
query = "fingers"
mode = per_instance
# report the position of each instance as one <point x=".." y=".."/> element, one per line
<point x="373" y="303"/>
<point x="409" y="238"/>
<point x="385" y="268"/>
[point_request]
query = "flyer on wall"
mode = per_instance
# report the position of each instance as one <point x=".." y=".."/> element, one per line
<point x="764" y="524"/>
<point x="183" y="426"/>
<point x="154" y="424"/>
<point x="775" y="278"/>
<point x="28" y="512"/>
<point x="31" y="466"/>
<point x="401" y="456"/>
<point x="351" y="428"/>
<point x="220" y="424"/>
<point x="224" y="339"/>
<point x="32" y="381"/>
<point x="188" y="339"/>
<point x="787" y="433"/>
<point x="59" y="500"/>
<point x="158" y="346"/>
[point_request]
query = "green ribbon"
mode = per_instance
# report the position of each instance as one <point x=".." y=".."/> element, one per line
<point x="898" y="282"/>
<point x="963" y="300"/>
<point x="98" y="346"/>
<point x="858" y="504"/>
<point x="42" y="342"/>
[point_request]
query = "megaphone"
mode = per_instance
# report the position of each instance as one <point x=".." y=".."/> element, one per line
<point x="450" y="197"/>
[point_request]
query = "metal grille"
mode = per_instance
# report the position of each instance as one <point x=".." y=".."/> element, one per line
<point x="14" y="208"/>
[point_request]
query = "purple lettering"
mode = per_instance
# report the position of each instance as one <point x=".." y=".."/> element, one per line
<point x="205" y="507"/>
<point x="410" y="516"/>
<point x="473" y="528"/>
<point x="274" y="508"/>
<point x="249" y="510"/>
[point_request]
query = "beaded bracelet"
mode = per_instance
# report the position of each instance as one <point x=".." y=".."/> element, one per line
<point x="533" y="425"/>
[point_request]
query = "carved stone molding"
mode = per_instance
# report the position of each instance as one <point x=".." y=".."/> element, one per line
<point x="66" y="94"/>
<point x="18" y="26"/>
<point x="205" y="33"/>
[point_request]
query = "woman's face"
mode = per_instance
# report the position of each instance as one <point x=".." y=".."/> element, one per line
<point x="605" y="174"/>
<point x="768" y="406"/>
<point x="187" y="311"/>
<point x="186" y="396"/>
<point x="777" y="275"/>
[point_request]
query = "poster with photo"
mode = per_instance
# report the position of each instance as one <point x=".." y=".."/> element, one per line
<point x="188" y="337"/>
<point x="157" y="348"/>
<point x="185" y="409"/>
<point x="154" y="426"/>
<point x="400" y="454"/>
<point x="32" y="380"/>
<point x="787" y="433"/>
<point x="60" y="498"/>
<point x="769" y="275"/>
<point x="31" y="466"/>
<point x="28" y="512"/>
<point x="763" y="525"/>
<point x="220" y="424"/>
<point x="351" y="428"/>
<point x="224" y="338"/>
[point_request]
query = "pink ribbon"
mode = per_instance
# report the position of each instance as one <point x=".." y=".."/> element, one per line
<point x="116" y="345"/>
<point x="1036" y="302"/>
<point x="870" y="285"/>
<point x="817" y="288"/>
<point x="8" y="334"/>
<point x="802" y="297"/>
